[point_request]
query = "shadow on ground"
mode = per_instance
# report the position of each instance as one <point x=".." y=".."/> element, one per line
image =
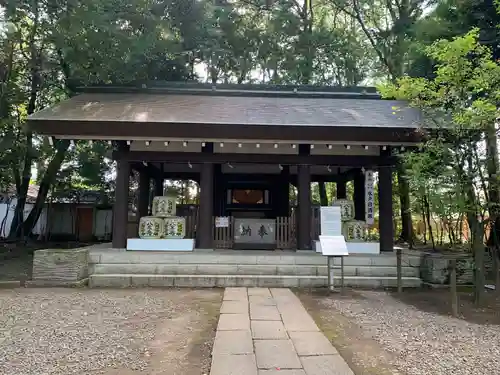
<point x="439" y="302"/>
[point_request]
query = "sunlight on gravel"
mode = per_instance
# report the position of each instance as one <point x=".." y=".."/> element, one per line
<point x="63" y="331"/>
<point x="424" y="343"/>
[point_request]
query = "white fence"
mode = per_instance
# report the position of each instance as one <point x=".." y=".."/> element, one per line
<point x="62" y="220"/>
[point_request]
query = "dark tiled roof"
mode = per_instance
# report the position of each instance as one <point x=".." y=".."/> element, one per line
<point x="254" y="108"/>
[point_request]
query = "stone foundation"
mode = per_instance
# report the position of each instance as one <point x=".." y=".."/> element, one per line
<point x="60" y="267"/>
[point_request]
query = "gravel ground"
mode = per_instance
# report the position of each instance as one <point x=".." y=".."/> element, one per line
<point x="422" y="342"/>
<point x="88" y="331"/>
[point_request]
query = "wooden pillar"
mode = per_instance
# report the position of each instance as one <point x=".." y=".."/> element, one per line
<point x="205" y="239"/>
<point x="359" y="196"/>
<point x="304" y="208"/>
<point x="158" y="186"/>
<point x="120" y="208"/>
<point x="341" y="189"/>
<point x="143" y="198"/>
<point x="386" y="228"/>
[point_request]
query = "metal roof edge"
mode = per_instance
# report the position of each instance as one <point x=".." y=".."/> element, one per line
<point x="261" y="90"/>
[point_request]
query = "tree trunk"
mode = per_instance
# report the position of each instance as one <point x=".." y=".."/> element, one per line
<point x="428" y="219"/>
<point x="323" y="198"/>
<point x="493" y="186"/>
<point x="407" y="234"/>
<point x="45" y="184"/>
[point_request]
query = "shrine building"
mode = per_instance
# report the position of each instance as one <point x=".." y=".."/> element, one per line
<point x="246" y="146"/>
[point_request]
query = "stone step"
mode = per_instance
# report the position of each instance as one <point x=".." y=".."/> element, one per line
<point x="210" y="281"/>
<point x="245" y="258"/>
<point x="246" y="269"/>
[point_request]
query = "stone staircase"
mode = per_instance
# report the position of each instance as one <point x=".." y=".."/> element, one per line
<point x="116" y="268"/>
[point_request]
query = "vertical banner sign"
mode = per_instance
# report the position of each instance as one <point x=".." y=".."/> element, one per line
<point x="369" y="197"/>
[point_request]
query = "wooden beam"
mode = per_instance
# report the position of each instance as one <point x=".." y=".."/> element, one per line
<point x="195" y="157"/>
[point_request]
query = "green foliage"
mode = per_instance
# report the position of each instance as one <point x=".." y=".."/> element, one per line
<point x="461" y="103"/>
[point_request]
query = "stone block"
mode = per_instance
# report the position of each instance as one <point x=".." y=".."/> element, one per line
<point x="298" y="321"/>
<point x="111" y="281"/>
<point x="256" y="269"/>
<point x="234" y="307"/>
<point x="311" y="259"/>
<point x="226" y="281"/>
<point x="268" y="330"/>
<point x="264" y="292"/>
<point x="233" y="365"/>
<point x="434" y="269"/>
<point x="60" y="264"/>
<point x="282" y="372"/>
<point x="235" y="294"/>
<point x="263" y="312"/>
<point x="56" y="283"/>
<point x="311" y="343"/>
<point x="193" y="281"/>
<point x="175" y="269"/>
<point x="10" y="284"/>
<point x="232" y="343"/>
<point x="236" y="259"/>
<point x="272" y="354"/>
<point x="234" y="322"/>
<point x="217" y="269"/>
<point x="326" y="365"/>
<point x="297" y="270"/>
<point x="275" y="259"/>
<point x="161" y="281"/>
<point x="261" y="300"/>
<point x="139" y="281"/>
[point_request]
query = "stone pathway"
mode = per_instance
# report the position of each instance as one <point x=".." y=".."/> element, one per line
<point x="265" y="331"/>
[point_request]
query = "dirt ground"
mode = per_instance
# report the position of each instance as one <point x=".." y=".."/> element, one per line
<point x="107" y="332"/>
<point x="382" y="333"/>
<point x="363" y="354"/>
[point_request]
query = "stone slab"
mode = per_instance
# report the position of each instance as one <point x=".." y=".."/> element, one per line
<point x="234" y="322"/>
<point x="56" y="283"/>
<point x="268" y="330"/>
<point x="326" y="365"/>
<point x="233" y="365"/>
<point x="10" y="284"/>
<point x="259" y="292"/>
<point x="262" y="300"/>
<point x="262" y="312"/>
<point x="234" y="307"/>
<point x="298" y="322"/>
<point x="282" y="372"/>
<point x="311" y="343"/>
<point x="235" y="294"/>
<point x="272" y="354"/>
<point x="232" y="342"/>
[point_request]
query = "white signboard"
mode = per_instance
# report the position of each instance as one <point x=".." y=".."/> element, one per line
<point x="222" y="222"/>
<point x="369" y="197"/>
<point x="333" y="246"/>
<point x="331" y="221"/>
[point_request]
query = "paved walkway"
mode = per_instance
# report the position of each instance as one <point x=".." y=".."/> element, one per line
<point x="268" y="332"/>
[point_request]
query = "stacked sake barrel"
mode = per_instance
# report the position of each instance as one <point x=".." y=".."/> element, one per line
<point x="163" y="223"/>
<point x="353" y="230"/>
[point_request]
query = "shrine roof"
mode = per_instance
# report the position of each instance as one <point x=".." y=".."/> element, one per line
<point x="251" y="106"/>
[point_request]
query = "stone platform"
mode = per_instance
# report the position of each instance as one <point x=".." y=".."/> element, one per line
<point x="265" y="331"/>
<point x="243" y="268"/>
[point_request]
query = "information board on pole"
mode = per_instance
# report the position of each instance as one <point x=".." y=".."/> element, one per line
<point x="333" y="246"/>
<point x="331" y="221"/>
